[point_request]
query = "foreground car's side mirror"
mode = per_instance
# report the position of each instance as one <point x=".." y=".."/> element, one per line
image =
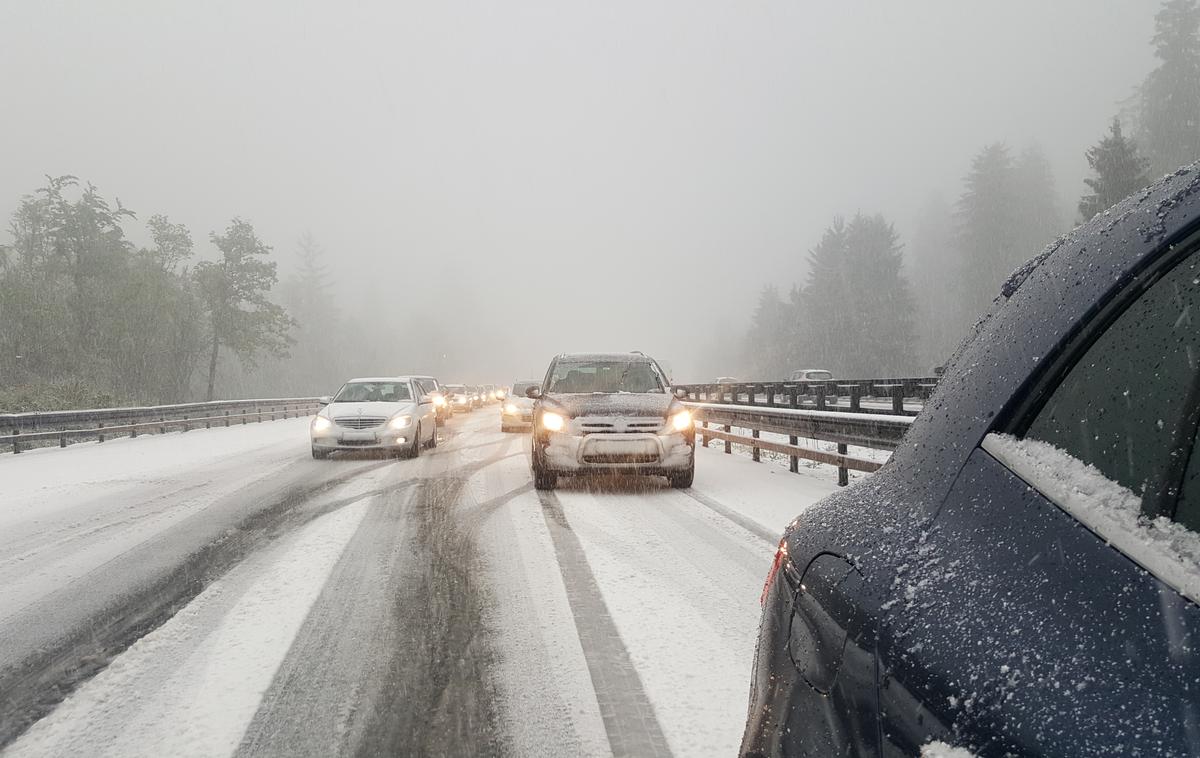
<point x="324" y="400"/>
<point x="533" y="393"/>
<point x="680" y="393"/>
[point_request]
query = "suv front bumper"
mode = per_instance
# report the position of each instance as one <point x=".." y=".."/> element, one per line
<point x="633" y="453"/>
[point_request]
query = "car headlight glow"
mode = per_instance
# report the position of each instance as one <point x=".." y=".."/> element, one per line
<point x="439" y="401"/>
<point x="320" y="424"/>
<point x="681" y="421"/>
<point x="400" y="422"/>
<point x="552" y="422"/>
<point x="510" y="409"/>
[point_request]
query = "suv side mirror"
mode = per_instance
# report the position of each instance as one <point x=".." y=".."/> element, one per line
<point x="324" y="400"/>
<point x="680" y="393"/>
<point x="533" y="393"/>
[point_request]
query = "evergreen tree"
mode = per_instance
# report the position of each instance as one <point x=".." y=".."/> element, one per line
<point x="1037" y="203"/>
<point x="1171" y="93"/>
<point x="1119" y="172"/>
<point x="765" y="346"/>
<point x="234" y="290"/>
<point x="857" y="307"/>
<point x="934" y="271"/>
<point x="989" y="221"/>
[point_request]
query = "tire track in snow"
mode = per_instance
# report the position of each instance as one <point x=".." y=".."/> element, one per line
<point x="33" y="686"/>
<point x="629" y="719"/>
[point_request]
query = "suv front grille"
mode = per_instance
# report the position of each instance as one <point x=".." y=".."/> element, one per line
<point x="621" y="426"/>
<point x="359" y="422"/>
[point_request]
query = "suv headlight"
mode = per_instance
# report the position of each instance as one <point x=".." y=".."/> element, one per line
<point x="681" y="421"/>
<point x="400" y="422"/>
<point x="510" y="409"/>
<point x="553" y="422"/>
<point x="321" y="424"/>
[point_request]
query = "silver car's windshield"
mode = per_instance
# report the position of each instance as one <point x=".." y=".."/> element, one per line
<point x="374" y="392"/>
<point x="605" y="376"/>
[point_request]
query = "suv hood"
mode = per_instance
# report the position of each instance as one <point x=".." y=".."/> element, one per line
<point x="611" y="404"/>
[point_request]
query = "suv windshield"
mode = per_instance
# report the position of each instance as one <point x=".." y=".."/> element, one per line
<point x="605" y="376"/>
<point x="374" y="392"/>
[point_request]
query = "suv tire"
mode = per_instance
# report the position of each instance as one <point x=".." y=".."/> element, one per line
<point x="681" y="480"/>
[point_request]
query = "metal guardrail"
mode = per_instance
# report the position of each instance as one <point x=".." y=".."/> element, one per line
<point x="900" y="397"/>
<point x="22" y="430"/>
<point x="860" y="429"/>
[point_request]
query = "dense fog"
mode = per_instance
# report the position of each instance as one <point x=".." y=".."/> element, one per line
<point x="467" y="189"/>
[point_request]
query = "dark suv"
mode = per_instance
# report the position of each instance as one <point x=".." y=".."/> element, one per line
<point x="610" y="412"/>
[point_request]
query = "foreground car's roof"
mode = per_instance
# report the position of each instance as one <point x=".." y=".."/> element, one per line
<point x="1040" y="305"/>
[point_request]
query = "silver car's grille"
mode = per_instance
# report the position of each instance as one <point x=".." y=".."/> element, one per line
<point x="620" y="426"/>
<point x="359" y="422"/>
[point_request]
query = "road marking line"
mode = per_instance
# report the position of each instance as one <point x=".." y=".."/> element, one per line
<point x="629" y="719"/>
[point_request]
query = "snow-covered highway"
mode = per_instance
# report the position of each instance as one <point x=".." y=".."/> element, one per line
<point x="218" y="593"/>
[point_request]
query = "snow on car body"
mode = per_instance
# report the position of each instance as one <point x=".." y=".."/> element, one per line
<point x="610" y="412"/>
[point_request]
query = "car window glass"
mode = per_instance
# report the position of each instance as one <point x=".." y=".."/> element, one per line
<point x="1187" y="512"/>
<point x="605" y="376"/>
<point x="1121" y="407"/>
<point x="374" y="392"/>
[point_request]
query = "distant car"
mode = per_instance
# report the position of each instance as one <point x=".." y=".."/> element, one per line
<point x="458" y="397"/>
<point x="476" y="393"/>
<point x="434" y="389"/>
<point x="609" y="412"/>
<point x="725" y="380"/>
<point x="1023" y="578"/>
<point x="516" y="411"/>
<point x="391" y="414"/>
<point x="811" y="375"/>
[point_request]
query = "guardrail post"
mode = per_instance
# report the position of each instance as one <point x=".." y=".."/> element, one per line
<point x="771" y="395"/>
<point x="133" y="430"/>
<point x="820" y="397"/>
<point x="843" y="472"/>
<point x="226" y="419"/>
<point x="186" y="426"/>
<point x="258" y="410"/>
<point x="100" y="436"/>
<point x="793" y="397"/>
<point x="162" y="423"/>
<point x="856" y="398"/>
<point x="16" y="432"/>
<point x="62" y="438"/>
<point x="704" y="437"/>
<point x="728" y="444"/>
<point x="754" y="450"/>
<point x="793" y="460"/>
<point x="272" y="413"/>
<point x="898" y="399"/>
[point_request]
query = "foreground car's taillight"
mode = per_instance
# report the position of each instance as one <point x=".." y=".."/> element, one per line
<point x="781" y="556"/>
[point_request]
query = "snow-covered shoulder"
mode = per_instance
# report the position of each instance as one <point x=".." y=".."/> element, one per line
<point x="1166" y="549"/>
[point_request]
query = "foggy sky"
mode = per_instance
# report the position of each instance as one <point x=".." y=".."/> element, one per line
<point x="607" y="176"/>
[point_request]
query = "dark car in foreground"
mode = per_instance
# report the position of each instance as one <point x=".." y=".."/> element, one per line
<point x="1022" y="578"/>
<point x="610" y="413"/>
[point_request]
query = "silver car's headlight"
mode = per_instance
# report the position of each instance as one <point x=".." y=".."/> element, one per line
<point x="511" y="409"/>
<point x="321" y="424"/>
<point x="400" y="422"/>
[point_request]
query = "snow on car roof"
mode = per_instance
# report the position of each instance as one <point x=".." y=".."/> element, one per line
<point x="381" y="379"/>
<point x="581" y="357"/>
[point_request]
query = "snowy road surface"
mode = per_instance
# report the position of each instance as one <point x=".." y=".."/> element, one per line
<point x="221" y="593"/>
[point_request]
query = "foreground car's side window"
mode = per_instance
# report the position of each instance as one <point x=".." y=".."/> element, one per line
<point x="1124" y="406"/>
